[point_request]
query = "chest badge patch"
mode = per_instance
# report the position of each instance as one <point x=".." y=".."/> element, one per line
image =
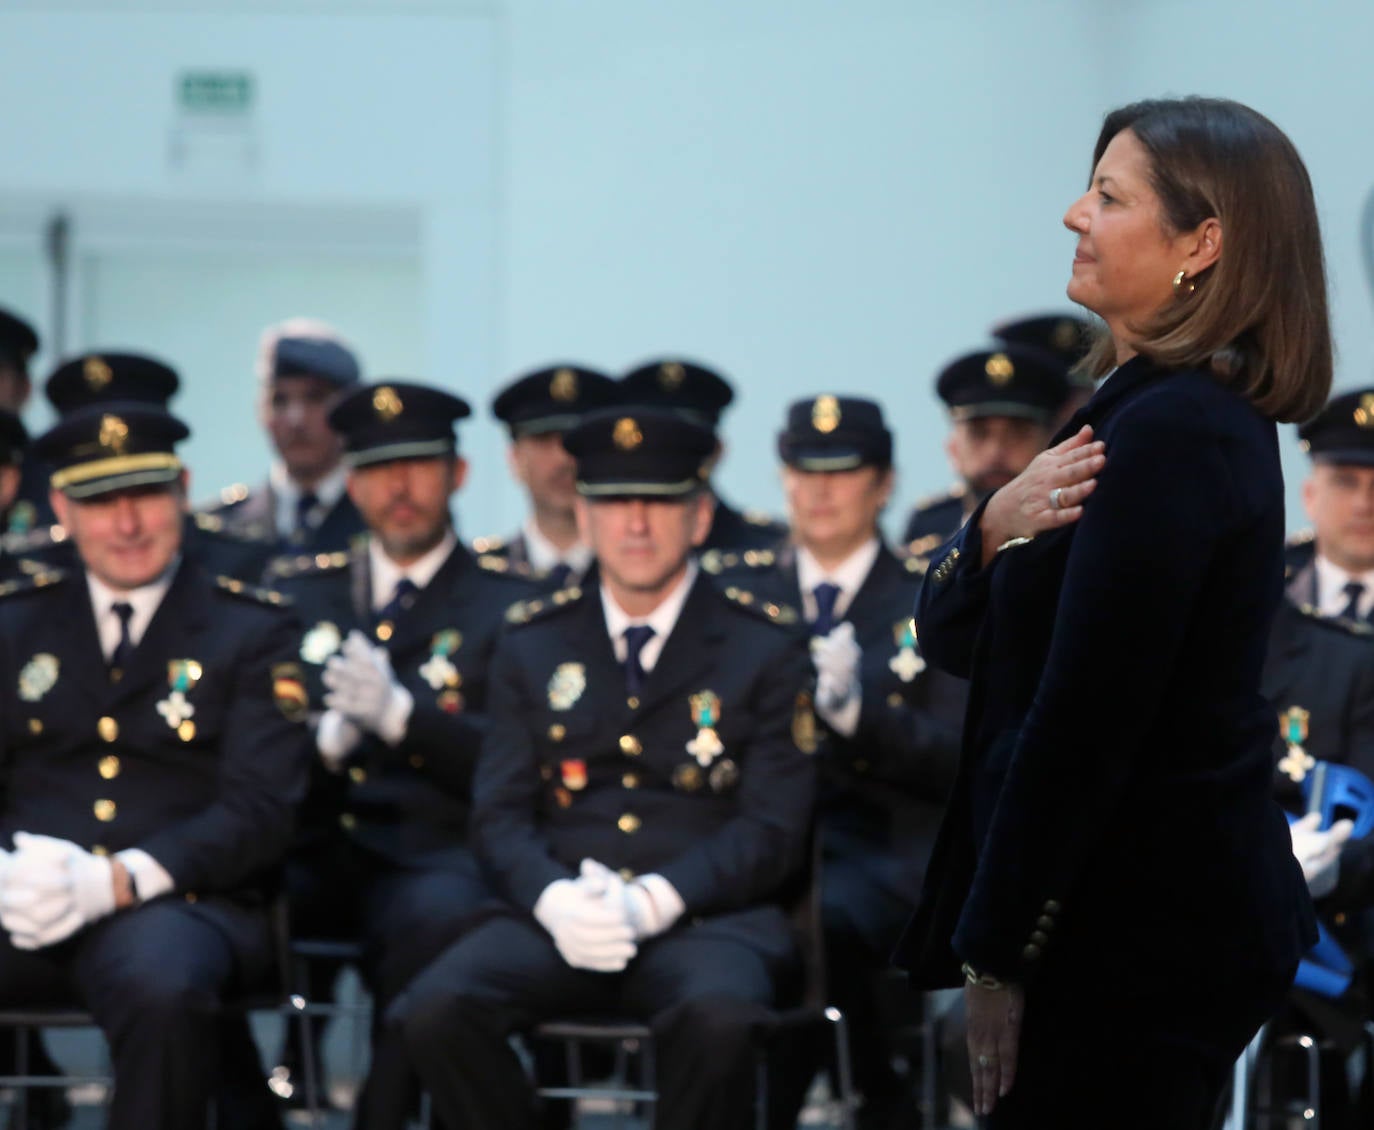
<point x="320" y="642"/>
<point x="438" y="670"/>
<point x="706" y="746"/>
<point x="182" y="676"/>
<point x="39" y="676"/>
<point x="907" y="663"/>
<point x="566" y="685"/>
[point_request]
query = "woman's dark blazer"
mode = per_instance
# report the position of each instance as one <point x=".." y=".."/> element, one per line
<point x="1112" y="818"/>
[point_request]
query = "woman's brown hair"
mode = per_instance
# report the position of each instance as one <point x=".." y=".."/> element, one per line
<point x="1257" y="317"/>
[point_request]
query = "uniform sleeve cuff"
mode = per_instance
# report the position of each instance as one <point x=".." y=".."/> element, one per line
<point x="150" y="878"/>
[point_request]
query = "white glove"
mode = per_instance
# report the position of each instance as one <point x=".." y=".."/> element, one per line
<point x="335" y="738"/>
<point x="838" y="696"/>
<point x="363" y="688"/>
<point x="652" y="905"/>
<point x="589" y="930"/>
<point x="1318" y="852"/>
<point x="51" y="888"/>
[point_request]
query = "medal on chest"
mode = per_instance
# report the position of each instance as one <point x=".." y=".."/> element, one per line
<point x="706" y="746"/>
<point x="1293" y="729"/>
<point x="176" y="710"/>
<point x="907" y="663"/>
<point x="438" y="670"/>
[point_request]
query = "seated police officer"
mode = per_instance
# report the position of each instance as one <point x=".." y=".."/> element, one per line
<point x="537" y="410"/>
<point x="1002" y="406"/>
<point x="1319" y="676"/>
<point x="154" y="750"/>
<point x="27" y="510"/>
<point x="701" y="395"/>
<point x="303" y="366"/>
<point x="890" y="739"/>
<point x="400" y="632"/>
<point x="641" y="801"/>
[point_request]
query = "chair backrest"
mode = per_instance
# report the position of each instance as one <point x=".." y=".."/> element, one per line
<point x="1340" y="792"/>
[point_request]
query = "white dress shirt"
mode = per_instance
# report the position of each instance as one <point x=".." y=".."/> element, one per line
<point x="544" y="555"/>
<point x="386" y="573"/>
<point x="1331" y="582"/>
<point x="150" y="878"/>
<point x="661" y="619"/>
<point x="286" y="494"/>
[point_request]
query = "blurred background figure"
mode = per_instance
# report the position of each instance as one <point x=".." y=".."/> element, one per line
<point x="537" y="409"/>
<point x="701" y="395"/>
<point x="1064" y="336"/>
<point x="303" y="365"/>
<point x="27" y="507"/>
<point x="1002" y="407"/>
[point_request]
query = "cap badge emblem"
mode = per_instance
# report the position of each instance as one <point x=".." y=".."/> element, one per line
<point x="1065" y="335"/>
<point x="999" y="369"/>
<point x="387" y="404"/>
<point x="97" y="373"/>
<point x="564" y="385"/>
<point x="671" y="375"/>
<point x="825" y="414"/>
<point x="1364" y="414"/>
<point x="627" y="435"/>
<point x="114" y="434"/>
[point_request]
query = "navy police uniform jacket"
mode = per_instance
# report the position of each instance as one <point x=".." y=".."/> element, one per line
<point x="933" y="520"/>
<point x="733" y="529"/>
<point x="408" y="804"/>
<point x="882" y="792"/>
<point x="1113" y="815"/>
<point x="572" y="769"/>
<point x="197" y="754"/>
<point x="252" y="514"/>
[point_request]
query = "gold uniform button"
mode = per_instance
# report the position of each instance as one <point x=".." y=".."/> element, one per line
<point x="108" y="767"/>
<point x="894" y="699"/>
<point x="632" y="702"/>
<point x="187" y="731"/>
<point x="35" y="726"/>
<point x="347" y="821"/>
<point x="100" y="850"/>
<point x="557" y="732"/>
<point x="384" y="630"/>
<point x="104" y="810"/>
<point x="1045" y="922"/>
<point x="629" y="745"/>
<point x="1339" y="918"/>
<point x="1031" y="952"/>
<point x="626" y="875"/>
<point x="107" y="728"/>
<point x="630" y="781"/>
<point x="1039" y="938"/>
<point x="629" y="823"/>
<point x="190" y="896"/>
<point x="1051" y="907"/>
<point x="416" y="760"/>
<point x="357" y="774"/>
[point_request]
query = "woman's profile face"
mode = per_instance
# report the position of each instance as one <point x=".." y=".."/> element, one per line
<point x="1126" y="257"/>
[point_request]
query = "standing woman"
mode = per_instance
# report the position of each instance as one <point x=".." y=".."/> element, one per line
<point x="1112" y="878"/>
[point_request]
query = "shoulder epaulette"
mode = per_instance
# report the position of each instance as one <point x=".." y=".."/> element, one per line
<point x="913" y="562"/>
<point x="924" y="546"/>
<point x="303" y="563"/>
<point x="251" y="592"/>
<point x="494" y="564"/>
<point x="32" y="541"/>
<point x="215" y="525"/>
<point x="944" y="498"/>
<point x="490" y="544"/>
<point x="39" y="580"/>
<point x="526" y="611"/>
<point x="1338" y="623"/>
<point x="716" y="561"/>
<point x="1302" y="537"/>
<point x="764" y="519"/>
<point x="767" y="609"/>
<point x="233" y="495"/>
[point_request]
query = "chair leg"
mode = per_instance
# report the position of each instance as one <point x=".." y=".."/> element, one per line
<point x="761" y="1089"/>
<point x="1238" y="1117"/>
<point x="844" y="1067"/>
<point x="305" y="1030"/>
<point x="21" y="1067"/>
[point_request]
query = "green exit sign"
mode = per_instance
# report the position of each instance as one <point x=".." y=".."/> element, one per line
<point x="216" y="92"/>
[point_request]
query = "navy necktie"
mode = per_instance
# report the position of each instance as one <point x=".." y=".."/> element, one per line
<point x="1354" y="591"/>
<point x="401" y="599"/>
<point x="559" y="574"/>
<point x="124" y="649"/>
<point x="305" y="507"/>
<point x="826" y="594"/>
<point x="635" y="639"/>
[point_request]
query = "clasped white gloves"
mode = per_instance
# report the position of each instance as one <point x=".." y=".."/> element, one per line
<point x="363" y="688"/>
<point x="587" y="922"/>
<point x="652" y="904"/>
<point x="1318" y="852"/>
<point x="836" y="658"/>
<point x="50" y="888"/>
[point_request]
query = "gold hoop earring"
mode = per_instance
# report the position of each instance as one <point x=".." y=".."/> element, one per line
<point x="1179" y="288"/>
